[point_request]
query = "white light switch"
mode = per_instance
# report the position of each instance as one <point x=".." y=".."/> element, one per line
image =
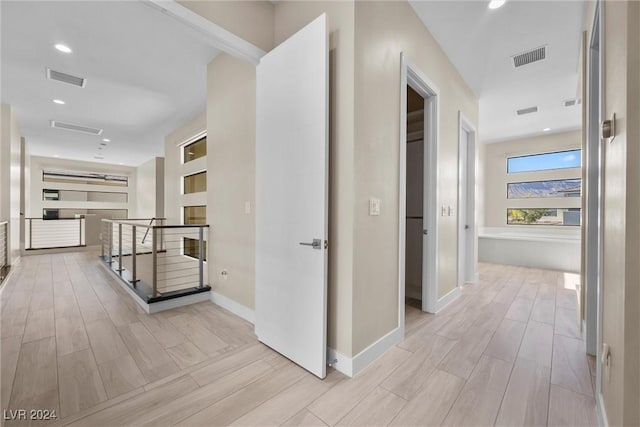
<point x="247" y="207"/>
<point x="443" y="211"/>
<point x="374" y="207"/>
<point x="451" y="211"/>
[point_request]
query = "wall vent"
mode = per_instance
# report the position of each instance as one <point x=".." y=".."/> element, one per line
<point x="66" y="78"/>
<point x="75" y="128"/>
<point x="535" y="55"/>
<point x="527" y="110"/>
<point x="571" y="102"/>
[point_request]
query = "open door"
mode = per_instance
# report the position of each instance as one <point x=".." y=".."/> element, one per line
<point x="292" y="197"/>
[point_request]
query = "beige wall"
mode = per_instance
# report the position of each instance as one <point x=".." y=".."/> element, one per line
<point x="620" y="318"/>
<point x="250" y="20"/>
<point x="150" y="189"/>
<point x="231" y="93"/>
<point x="10" y="146"/>
<point x="383" y="31"/>
<point x="496" y="177"/>
<point x="174" y="169"/>
<point x="289" y="18"/>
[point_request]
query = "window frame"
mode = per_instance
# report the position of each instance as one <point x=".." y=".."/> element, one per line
<point x="507" y="158"/>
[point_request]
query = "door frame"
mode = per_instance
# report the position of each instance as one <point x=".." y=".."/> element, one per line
<point x="411" y="75"/>
<point x="467" y="242"/>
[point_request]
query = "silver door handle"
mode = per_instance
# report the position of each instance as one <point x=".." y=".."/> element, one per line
<point x="466" y="227"/>
<point x="315" y="244"/>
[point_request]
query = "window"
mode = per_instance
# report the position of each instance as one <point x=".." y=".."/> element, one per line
<point x="544" y="216"/>
<point x="195" y="150"/>
<point x="547" y="161"/>
<point x="192" y="248"/>
<point x="84" y="196"/>
<point x="541" y="189"/>
<point x="195" y="183"/>
<point x="195" y="214"/>
<point x="50" y="195"/>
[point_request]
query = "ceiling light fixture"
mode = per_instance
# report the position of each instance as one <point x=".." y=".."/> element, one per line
<point x="55" y="155"/>
<point x="59" y="101"/>
<point x="106" y="140"/>
<point x="494" y="4"/>
<point x="67" y="49"/>
<point x="546" y="129"/>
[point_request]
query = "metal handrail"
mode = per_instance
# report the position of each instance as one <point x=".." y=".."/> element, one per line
<point x="117" y="221"/>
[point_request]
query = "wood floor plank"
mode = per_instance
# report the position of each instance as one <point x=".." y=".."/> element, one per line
<point x="91" y="309"/>
<point x="202" y="337"/>
<point x="229" y="409"/>
<point x="379" y="408"/>
<point x="162" y="329"/>
<point x="520" y="309"/>
<point x="71" y="335"/>
<point x="526" y="400"/>
<point x="567" y="408"/>
<point x="42" y="297"/>
<point x="153" y="361"/>
<point x="528" y="290"/>
<point x="232" y="362"/>
<point x="80" y="383"/>
<point x="66" y="306"/>
<point x="105" y="341"/>
<point x="567" y="322"/>
<point x="416" y="370"/>
<point x="285" y="405"/>
<point x="36" y="379"/>
<point x="9" y="352"/>
<point x="120" y="314"/>
<point x="13" y="321"/>
<point x="431" y="405"/>
<point x="505" y="342"/>
<point x="40" y="324"/>
<point x="121" y="376"/>
<point x="186" y="354"/>
<point x="480" y="398"/>
<point x="464" y="356"/>
<point x="304" y="418"/>
<point x="332" y="407"/>
<point x="537" y="343"/>
<point x="544" y="310"/>
<point x="130" y="412"/>
<point x="570" y="368"/>
<point x="491" y="316"/>
<point x="421" y="337"/>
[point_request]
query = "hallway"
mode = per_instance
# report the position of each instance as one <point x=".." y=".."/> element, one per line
<point x="507" y="352"/>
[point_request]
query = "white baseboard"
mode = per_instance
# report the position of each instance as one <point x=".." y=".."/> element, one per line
<point x="351" y="366"/>
<point x="602" y="413"/>
<point x="447" y="299"/>
<point x="235" y="307"/>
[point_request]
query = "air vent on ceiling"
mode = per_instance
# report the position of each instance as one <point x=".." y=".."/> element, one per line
<point x="76" y="128"/>
<point x="66" y="78"/>
<point x="537" y="54"/>
<point x="527" y="110"/>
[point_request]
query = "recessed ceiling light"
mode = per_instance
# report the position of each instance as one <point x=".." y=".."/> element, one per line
<point x="67" y="49"/>
<point x="121" y="164"/>
<point x="106" y="140"/>
<point x="546" y="129"/>
<point x="55" y="155"/>
<point x="494" y="4"/>
<point x="59" y="101"/>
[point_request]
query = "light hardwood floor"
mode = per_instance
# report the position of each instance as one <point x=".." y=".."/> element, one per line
<point x="508" y="352"/>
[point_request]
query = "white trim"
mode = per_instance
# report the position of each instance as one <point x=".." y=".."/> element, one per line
<point x="602" y="413"/>
<point x="411" y="75"/>
<point x="342" y="363"/>
<point x="448" y="298"/>
<point x="351" y="366"/>
<point x="465" y="125"/>
<point x="234" y="307"/>
<point x="212" y="33"/>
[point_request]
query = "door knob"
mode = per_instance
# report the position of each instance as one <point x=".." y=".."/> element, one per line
<point x="466" y="227"/>
<point x="315" y="244"/>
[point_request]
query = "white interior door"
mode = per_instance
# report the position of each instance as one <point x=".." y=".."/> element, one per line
<point x="292" y="197"/>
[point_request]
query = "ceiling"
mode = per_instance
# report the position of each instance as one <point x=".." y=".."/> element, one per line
<point x="480" y="43"/>
<point x="146" y="76"/>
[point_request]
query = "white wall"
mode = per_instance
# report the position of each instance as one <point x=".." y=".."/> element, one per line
<point x="10" y="148"/>
<point x="150" y="189"/>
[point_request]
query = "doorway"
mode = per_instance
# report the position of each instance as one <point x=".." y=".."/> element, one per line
<point x="467" y="233"/>
<point x="418" y="226"/>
